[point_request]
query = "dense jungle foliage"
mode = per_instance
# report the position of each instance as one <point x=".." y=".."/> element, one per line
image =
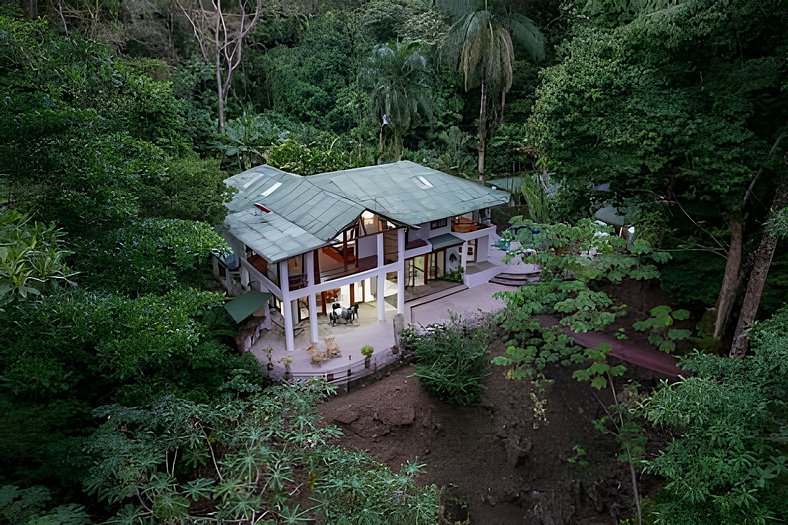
<point x="120" y="397"/>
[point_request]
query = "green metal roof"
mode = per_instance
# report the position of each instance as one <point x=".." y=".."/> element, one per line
<point x="442" y="241"/>
<point x="271" y="235"/>
<point x="510" y="184"/>
<point x="246" y="304"/>
<point x="305" y="213"/>
<point x="294" y="198"/>
<point x="408" y="192"/>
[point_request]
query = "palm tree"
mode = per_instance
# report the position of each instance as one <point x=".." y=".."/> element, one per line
<point x="479" y="44"/>
<point x="398" y="79"/>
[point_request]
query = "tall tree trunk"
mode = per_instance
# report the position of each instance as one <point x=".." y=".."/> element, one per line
<point x="482" y="132"/>
<point x="760" y="271"/>
<point x="731" y="278"/>
<point x="380" y="145"/>
<point x="220" y="92"/>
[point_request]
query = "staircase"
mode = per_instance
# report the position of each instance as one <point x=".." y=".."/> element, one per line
<point x="515" y="280"/>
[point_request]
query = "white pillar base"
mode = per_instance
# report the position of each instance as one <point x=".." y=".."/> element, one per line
<point x="401" y="271"/>
<point x="313" y="318"/>
<point x="381" y="299"/>
<point x="287" y="307"/>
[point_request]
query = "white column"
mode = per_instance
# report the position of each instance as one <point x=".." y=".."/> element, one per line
<point x="310" y="280"/>
<point x="215" y="265"/>
<point x="228" y="280"/>
<point x="401" y="271"/>
<point x="381" y="280"/>
<point x="287" y="306"/>
<point x="464" y="256"/>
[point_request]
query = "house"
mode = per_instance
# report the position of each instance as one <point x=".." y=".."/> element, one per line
<point x="350" y="237"/>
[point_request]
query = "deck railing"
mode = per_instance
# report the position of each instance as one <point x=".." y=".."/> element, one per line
<point x="353" y="371"/>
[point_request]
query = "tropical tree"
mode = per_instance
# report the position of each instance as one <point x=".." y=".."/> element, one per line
<point x="678" y="117"/>
<point x="398" y="79"/>
<point x="725" y="462"/>
<point x="479" y="44"/>
<point x="220" y="31"/>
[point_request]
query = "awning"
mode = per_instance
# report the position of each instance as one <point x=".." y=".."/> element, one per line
<point x="246" y="304"/>
<point x="442" y="241"/>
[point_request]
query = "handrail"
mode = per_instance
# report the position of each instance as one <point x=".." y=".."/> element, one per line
<point x="350" y="372"/>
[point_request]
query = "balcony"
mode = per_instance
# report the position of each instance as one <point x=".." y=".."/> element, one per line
<point x="463" y="225"/>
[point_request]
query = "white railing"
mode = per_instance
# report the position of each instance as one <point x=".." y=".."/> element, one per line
<point x="343" y="374"/>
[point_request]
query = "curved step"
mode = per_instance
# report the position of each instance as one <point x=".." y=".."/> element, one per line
<point x="526" y="275"/>
<point x="507" y="282"/>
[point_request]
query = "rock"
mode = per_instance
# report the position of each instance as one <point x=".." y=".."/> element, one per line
<point x="399" y="325"/>
<point x="367" y="427"/>
<point x="346" y="415"/>
<point x="542" y="508"/>
<point x="516" y="449"/>
<point x="400" y="417"/>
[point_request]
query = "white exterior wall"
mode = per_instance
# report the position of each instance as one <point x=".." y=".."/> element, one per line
<point x="367" y="246"/>
<point x="483" y="248"/>
<point x="437" y="231"/>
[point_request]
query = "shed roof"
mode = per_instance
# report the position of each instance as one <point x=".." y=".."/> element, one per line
<point x="279" y="214"/>
<point x="510" y="184"/>
<point x="246" y="304"/>
<point x="611" y="215"/>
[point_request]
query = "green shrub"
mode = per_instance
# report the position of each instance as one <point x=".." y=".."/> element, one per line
<point x="455" y="276"/>
<point x="451" y="360"/>
<point x="659" y="327"/>
<point x="153" y="255"/>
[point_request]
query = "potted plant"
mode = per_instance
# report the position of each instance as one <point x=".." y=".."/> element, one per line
<point x="366" y="351"/>
<point x="287" y="361"/>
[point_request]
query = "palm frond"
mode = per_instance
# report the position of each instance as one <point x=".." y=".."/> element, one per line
<point x="398" y="79"/>
<point x="528" y="36"/>
<point x="457" y="9"/>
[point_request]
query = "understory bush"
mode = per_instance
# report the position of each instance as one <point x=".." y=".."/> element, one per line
<point x="254" y="456"/>
<point x="451" y="359"/>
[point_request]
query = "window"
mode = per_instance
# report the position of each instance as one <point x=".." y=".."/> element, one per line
<point x="275" y="304"/>
<point x="440" y="223"/>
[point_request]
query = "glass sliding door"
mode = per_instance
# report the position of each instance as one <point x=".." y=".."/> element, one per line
<point x="415" y="271"/>
<point x="437" y="264"/>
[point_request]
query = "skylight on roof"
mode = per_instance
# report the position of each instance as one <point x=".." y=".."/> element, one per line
<point x="423" y="183"/>
<point x="270" y="190"/>
<point x="254" y="179"/>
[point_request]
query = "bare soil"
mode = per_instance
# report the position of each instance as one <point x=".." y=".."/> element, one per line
<point x="508" y="464"/>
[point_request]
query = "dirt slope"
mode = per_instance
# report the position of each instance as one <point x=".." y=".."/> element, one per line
<point x="508" y="471"/>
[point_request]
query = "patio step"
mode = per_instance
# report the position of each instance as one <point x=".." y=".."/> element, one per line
<point x="515" y="280"/>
